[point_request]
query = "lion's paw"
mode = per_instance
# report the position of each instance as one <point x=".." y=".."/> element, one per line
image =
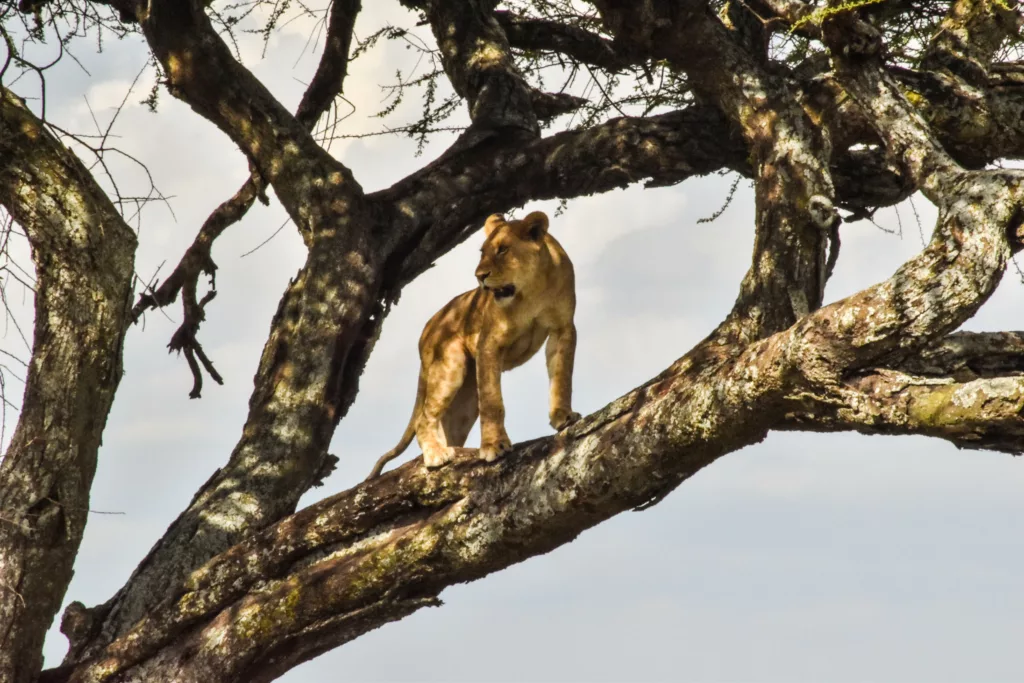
<point x="439" y="457"/>
<point x="560" y="419"/>
<point x="492" y="451"/>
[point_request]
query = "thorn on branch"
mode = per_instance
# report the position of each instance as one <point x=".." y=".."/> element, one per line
<point x="858" y="39"/>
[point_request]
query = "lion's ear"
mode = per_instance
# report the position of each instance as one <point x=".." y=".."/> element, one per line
<point x="536" y="224"/>
<point x="493" y="222"/>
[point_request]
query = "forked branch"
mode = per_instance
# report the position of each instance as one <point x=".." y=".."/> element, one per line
<point x="327" y="83"/>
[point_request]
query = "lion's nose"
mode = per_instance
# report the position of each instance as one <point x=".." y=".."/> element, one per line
<point x="481" y="275"/>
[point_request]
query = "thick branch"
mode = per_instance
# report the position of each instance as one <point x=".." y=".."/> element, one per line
<point x="84" y="255"/>
<point x="328" y="318"/>
<point x="324" y="329"/>
<point x="376" y="553"/>
<point x="969" y="355"/>
<point x="479" y="64"/>
<point x="432" y="207"/>
<point x="967" y="389"/>
<point x="969" y="37"/>
<point x="373" y="554"/>
<point x="319" y="340"/>
<point x="906" y="135"/>
<point x="327" y="83"/>
<point x="794" y="198"/>
<point x="300" y="396"/>
<point x="201" y="71"/>
<point x="983" y="413"/>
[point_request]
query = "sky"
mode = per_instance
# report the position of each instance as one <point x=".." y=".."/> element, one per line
<point x="804" y="558"/>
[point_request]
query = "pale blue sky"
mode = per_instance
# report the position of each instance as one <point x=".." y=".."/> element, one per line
<point x="804" y="558"/>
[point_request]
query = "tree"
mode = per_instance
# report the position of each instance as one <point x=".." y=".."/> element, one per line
<point x="827" y="107"/>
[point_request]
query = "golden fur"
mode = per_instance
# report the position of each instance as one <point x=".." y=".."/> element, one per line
<point x="527" y="295"/>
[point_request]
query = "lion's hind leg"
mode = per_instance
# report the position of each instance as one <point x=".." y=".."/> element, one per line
<point x="445" y="376"/>
<point x="462" y="413"/>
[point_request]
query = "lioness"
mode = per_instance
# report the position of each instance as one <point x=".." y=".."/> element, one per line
<point x="527" y="294"/>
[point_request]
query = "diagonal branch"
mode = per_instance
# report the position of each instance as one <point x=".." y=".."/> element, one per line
<point x="794" y="195"/>
<point x="326" y="325"/>
<point x="430" y="213"/>
<point x="329" y="79"/>
<point x="479" y="64"/>
<point x="906" y="135"/>
<point x="375" y="553"/>
<point x="944" y="285"/>
<point x="324" y="329"/>
<point x="201" y="71"/>
<point x="967" y="389"/>
<point x="327" y="83"/>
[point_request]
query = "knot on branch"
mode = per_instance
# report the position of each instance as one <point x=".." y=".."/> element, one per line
<point x="327" y="467"/>
<point x="197" y="261"/>
<point x="548" y="105"/>
<point x="856" y="39"/>
<point x="76" y="623"/>
<point x="822" y="212"/>
<point x="80" y="624"/>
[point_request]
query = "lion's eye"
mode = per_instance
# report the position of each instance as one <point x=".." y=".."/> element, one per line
<point x="502" y="250"/>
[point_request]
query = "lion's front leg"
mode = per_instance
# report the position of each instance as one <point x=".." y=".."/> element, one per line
<point x="494" y="440"/>
<point x="561" y="353"/>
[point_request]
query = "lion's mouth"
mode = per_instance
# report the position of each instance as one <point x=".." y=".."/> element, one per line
<point x="505" y="292"/>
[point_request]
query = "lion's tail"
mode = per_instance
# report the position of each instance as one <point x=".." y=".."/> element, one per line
<point x="410" y="432"/>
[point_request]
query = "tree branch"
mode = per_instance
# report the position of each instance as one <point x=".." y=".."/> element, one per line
<point x="479" y="64"/>
<point x="969" y="37"/>
<point x="323" y="331"/>
<point x="542" y="35"/>
<point x="978" y="414"/>
<point x="969" y="355"/>
<point x="327" y="83"/>
<point x="794" y="195"/>
<point x="370" y="555"/>
<point x="431" y="209"/>
<point x="201" y="71"/>
<point x="373" y="554"/>
<point x="363" y="251"/>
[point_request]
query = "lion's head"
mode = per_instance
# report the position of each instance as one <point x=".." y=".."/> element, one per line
<point x="514" y="259"/>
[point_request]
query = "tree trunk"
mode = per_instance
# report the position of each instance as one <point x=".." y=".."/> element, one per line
<point x="84" y="256"/>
